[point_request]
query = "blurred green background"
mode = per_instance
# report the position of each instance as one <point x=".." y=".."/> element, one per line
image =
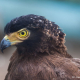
<point x="65" y="13"/>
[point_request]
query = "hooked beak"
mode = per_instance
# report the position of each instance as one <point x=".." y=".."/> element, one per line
<point x="4" y="44"/>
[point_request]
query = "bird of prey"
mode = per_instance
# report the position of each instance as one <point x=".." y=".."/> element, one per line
<point x="41" y="53"/>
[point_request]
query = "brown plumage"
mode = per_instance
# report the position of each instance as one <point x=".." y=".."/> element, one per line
<point x="41" y="56"/>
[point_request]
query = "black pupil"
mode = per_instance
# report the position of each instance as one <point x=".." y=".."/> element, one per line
<point x="22" y="33"/>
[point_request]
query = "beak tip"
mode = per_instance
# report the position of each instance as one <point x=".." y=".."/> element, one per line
<point x="2" y="51"/>
<point x="1" y="48"/>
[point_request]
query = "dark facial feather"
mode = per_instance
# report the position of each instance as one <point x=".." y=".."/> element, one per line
<point x="45" y="35"/>
<point x="32" y="22"/>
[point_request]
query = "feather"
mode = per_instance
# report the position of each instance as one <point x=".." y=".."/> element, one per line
<point x="49" y="67"/>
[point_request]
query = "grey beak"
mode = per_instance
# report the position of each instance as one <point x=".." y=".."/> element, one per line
<point x="4" y="44"/>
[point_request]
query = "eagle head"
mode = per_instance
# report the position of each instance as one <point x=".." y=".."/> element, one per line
<point x="34" y="33"/>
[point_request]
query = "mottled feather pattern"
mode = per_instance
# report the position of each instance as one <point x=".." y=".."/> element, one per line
<point x="33" y="22"/>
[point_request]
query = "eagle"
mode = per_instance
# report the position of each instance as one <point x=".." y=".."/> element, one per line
<point x="41" y="53"/>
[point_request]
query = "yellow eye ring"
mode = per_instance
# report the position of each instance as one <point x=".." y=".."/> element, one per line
<point x="23" y="33"/>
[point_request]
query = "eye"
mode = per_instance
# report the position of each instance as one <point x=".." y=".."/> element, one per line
<point x="23" y="33"/>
